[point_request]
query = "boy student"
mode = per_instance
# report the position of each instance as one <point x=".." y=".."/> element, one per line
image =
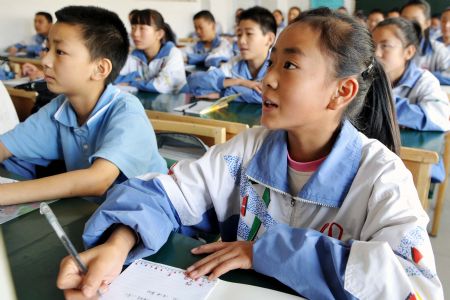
<point x="42" y="23"/>
<point x="210" y="50"/>
<point x="102" y="134"/>
<point x="242" y="74"/>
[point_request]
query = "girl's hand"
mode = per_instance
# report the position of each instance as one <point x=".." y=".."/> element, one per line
<point x="104" y="263"/>
<point x="31" y="71"/>
<point x="225" y="257"/>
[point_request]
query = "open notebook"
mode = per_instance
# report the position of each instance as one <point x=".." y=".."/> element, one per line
<point x="203" y="107"/>
<point x="152" y="281"/>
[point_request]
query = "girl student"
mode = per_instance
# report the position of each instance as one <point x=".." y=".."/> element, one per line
<point x="156" y="65"/>
<point x="432" y="55"/>
<point x="314" y="199"/>
<point x="420" y="102"/>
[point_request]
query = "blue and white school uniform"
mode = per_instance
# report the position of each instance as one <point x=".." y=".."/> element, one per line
<point x="203" y="83"/>
<point x="434" y="57"/>
<point x="163" y="74"/>
<point x="220" y="51"/>
<point x="441" y="40"/>
<point x="32" y="46"/>
<point x="356" y="226"/>
<point x="117" y="130"/>
<point x="420" y="102"/>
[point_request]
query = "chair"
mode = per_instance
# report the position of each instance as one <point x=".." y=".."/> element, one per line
<point x="217" y="134"/>
<point x="231" y="128"/>
<point x="8" y="114"/>
<point x="419" y="162"/>
<point x="23" y="101"/>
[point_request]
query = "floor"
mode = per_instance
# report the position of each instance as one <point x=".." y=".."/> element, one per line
<point x="441" y="247"/>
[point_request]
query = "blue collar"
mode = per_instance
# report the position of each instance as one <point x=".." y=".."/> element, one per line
<point x="163" y="52"/>
<point x="243" y="70"/>
<point x="410" y="76"/>
<point x="440" y="39"/>
<point x="200" y="46"/>
<point x="67" y="116"/>
<point x="327" y="186"/>
<point x="425" y="47"/>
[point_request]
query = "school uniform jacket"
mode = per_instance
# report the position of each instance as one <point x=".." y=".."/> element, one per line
<point x="355" y="230"/>
<point x="420" y="102"/>
<point x="435" y="57"/>
<point x="32" y="46"/>
<point x="203" y="83"/>
<point x="163" y="74"/>
<point x="220" y="51"/>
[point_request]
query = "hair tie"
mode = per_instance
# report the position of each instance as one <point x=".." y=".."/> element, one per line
<point x="368" y="72"/>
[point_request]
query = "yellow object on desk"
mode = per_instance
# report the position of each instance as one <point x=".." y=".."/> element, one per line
<point x="203" y="107"/>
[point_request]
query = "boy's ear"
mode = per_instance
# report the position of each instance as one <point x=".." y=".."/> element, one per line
<point x="270" y="39"/>
<point x="102" y="69"/>
<point x="346" y="90"/>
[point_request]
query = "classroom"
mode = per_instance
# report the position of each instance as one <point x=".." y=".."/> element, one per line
<point x="213" y="149"/>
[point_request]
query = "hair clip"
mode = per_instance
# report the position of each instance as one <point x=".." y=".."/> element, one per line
<point x="366" y="74"/>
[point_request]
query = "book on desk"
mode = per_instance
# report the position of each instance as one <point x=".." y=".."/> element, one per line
<point x="202" y="107"/>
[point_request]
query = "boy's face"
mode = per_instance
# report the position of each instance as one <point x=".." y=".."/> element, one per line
<point x="67" y="63"/>
<point x="415" y="13"/>
<point x="292" y="14"/>
<point x="252" y="42"/>
<point x="278" y="17"/>
<point x="42" y="25"/>
<point x="373" y="20"/>
<point x="204" y="29"/>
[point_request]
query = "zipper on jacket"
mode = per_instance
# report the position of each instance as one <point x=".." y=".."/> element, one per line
<point x="293" y="206"/>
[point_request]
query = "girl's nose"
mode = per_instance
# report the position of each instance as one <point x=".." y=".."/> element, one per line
<point x="270" y="80"/>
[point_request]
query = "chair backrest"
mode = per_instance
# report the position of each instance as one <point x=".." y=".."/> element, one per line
<point x="8" y="114"/>
<point x="216" y="133"/>
<point x="418" y="162"/>
<point x="231" y="128"/>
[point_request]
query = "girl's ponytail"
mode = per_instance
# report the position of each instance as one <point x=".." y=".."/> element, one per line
<point x="377" y="118"/>
<point x="169" y="35"/>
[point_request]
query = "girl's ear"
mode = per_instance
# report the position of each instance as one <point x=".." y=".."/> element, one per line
<point x="409" y="52"/>
<point x="160" y="34"/>
<point x="346" y="90"/>
<point x="102" y="69"/>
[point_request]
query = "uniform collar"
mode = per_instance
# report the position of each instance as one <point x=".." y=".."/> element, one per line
<point x="425" y="47"/>
<point x="163" y="52"/>
<point x="327" y="186"/>
<point x="243" y="70"/>
<point x="410" y="76"/>
<point x="67" y="116"/>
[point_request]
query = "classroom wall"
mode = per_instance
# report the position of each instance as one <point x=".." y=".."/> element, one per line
<point x="16" y="16"/>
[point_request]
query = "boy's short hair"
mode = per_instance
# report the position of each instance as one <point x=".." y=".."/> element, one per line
<point x="422" y="3"/>
<point x="262" y="17"/>
<point x="104" y="34"/>
<point x="45" y="15"/>
<point x="204" y="14"/>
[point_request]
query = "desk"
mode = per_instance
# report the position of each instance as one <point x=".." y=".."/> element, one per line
<point x="23" y="101"/>
<point x="22" y="60"/>
<point x="35" y="252"/>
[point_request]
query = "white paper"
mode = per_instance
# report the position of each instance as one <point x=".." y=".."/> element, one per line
<point x="194" y="108"/>
<point x="146" y="280"/>
<point x="17" y="81"/>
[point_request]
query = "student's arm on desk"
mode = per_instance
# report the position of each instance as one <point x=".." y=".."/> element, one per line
<point x="104" y="263"/>
<point x="93" y="181"/>
<point x="254" y="85"/>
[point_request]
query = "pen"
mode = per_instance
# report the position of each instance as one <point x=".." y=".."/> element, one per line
<point x="51" y="218"/>
<point x="190" y="106"/>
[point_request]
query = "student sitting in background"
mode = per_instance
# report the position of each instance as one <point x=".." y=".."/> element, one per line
<point x="279" y="19"/>
<point x="432" y="55"/>
<point x="445" y="28"/>
<point x="420" y="102"/>
<point x="293" y="13"/>
<point x="210" y="50"/>
<point x="256" y="34"/>
<point x="435" y="26"/>
<point x="42" y="23"/>
<point x="102" y="134"/>
<point x="374" y="17"/>
<point x="156" y="65"/>
<point x="316" y="199"/>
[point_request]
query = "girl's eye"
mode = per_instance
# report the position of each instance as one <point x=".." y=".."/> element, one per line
<point x="269" y="63"/>
<point x="290" y="66"/>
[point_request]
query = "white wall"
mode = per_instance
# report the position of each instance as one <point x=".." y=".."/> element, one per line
<point x="16" y="16"/>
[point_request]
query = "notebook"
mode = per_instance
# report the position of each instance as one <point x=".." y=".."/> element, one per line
<point x="203" y="107"/>
<point x="152" y="281"/>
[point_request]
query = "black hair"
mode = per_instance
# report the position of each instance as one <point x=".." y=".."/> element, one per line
<point x="436" y="16"/>
<point x="45" y="15"/>
<point x="204" y="14"/>
<point x="152" y="17"/>
<point x="132" y="12"/>
<point x="408" y="32"/>
<point x="359" y="14"/>
<point x="376" y="11"/>
<point x="296" y="8"/>
<point x="350" y="44"/>
<point x="424" y="5"/>
<point x="262" y="17"/>
<point x="104" y="34"/>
